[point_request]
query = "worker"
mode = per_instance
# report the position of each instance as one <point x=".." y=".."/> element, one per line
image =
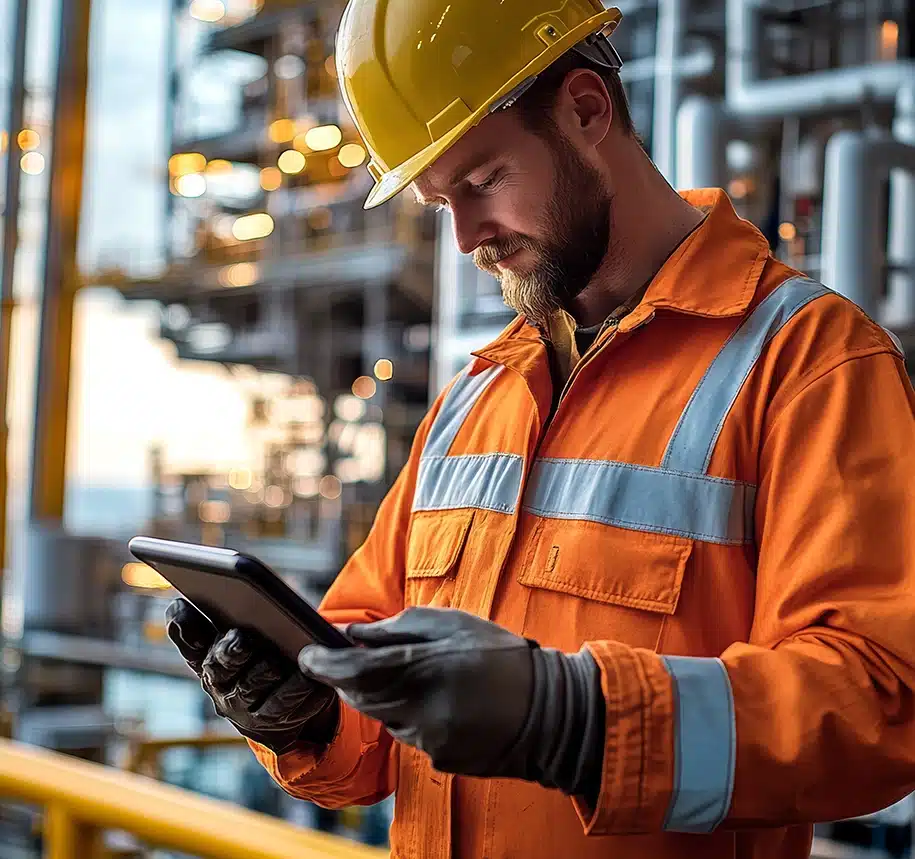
<point x="646" y="585"/>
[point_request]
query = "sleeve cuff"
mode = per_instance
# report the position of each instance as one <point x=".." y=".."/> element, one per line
<point x="638" y="767"/>
<point x="312" y="772"/>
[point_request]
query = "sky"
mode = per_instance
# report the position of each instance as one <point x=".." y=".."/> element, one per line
<point x="128" y="390"/>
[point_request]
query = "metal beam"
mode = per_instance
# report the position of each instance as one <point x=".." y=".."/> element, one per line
<point x="10" y="243"/>
<point x="68" y="133"/>
<point x="109" y="654"/>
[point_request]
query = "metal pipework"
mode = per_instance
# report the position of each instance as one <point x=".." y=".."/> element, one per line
<point x="750" y="97"/>
<point x="667" y="85"/>
<point x="856" y="163"/>
<point x="698" y="63"/>
<point x="899" y="309"/>
<point x="700" y="143"/>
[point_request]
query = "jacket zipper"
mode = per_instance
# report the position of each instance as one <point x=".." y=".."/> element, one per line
<point x="586" y="359"/>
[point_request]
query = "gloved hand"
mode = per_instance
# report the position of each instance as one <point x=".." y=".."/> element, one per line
<point x="476" y="698"/>
<point x="252" y="685"/>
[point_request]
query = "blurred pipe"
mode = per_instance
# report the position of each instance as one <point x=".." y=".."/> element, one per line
<point x="68" y="135"/>
<point x="899" y="308"/>
<point x="175" y="7"/>
<point x="699" y="63"/>
<point x="700" y="143"/>
<point x="856" y="163"/>
<point x="10" y="243"/>
<point x="750" y="97"/>
<point x="667" y="86"/>
<point x="446" y="309"/>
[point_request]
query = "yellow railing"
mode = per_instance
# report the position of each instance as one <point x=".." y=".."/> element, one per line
<point x="144" y="756"/>
<point x="144" y="753"/>
<point x="82" y="800"/>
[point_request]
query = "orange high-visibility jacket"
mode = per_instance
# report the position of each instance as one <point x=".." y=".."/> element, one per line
<point x="722" y="507"/>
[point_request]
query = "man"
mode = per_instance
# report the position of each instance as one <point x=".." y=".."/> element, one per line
<point x="656" y="544"/>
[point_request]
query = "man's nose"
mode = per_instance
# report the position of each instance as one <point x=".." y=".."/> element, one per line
<point x="470" y="231"/>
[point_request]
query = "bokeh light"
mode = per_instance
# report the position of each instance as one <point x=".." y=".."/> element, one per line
<point x="351" y="155"/>
<point x="271" y="178"/>
<point x="28" y="139"/>
<point x="291" y="162"/>
<point x="239" y="274"/>
<point x="208" y="11"/>
<point x="330" y="487"/>
<point x="32" y="163"/>
<point x="384" y="369"/>
<point x="364" y="387"/>
<point x="191" y="185"/>
<point x="249" y="227"/>
<point x="323" y="137"/>
<point x="186" y="162"/>
<point x="281" y="130"/>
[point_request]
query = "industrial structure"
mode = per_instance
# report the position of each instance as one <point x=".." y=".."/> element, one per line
<point x="344" y="323"/>
<point x="272" y="265"/>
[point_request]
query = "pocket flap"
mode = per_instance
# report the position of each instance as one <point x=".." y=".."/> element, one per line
<point x="436" y="542"/>
<point x="609" y="564"/>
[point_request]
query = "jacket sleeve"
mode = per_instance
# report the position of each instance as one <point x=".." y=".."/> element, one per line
<point x="814" y="717"/>
<point x="359" y="767"/>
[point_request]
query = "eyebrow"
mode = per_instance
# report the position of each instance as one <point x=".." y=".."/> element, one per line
<point x="457" y="176"/>
<point x="469" y="166"/>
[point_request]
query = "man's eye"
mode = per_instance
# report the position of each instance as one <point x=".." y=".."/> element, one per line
<point x="489" y="183"/>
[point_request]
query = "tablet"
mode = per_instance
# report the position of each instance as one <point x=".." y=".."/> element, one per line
<point x="236" y="590"/>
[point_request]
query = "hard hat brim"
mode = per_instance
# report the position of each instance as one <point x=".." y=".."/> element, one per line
<point x="394" y="181"/>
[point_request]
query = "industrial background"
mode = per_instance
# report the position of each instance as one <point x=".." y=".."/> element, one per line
<point x="204" y="337"/>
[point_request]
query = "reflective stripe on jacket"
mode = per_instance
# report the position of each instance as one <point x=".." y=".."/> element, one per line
<point x="720" y="508"/>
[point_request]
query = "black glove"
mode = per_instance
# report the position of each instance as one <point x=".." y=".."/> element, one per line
<point x="476" y="698"/>
<point x="251" y="684"/>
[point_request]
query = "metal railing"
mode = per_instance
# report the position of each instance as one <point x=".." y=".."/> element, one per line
<point x="144" y="753"/>
<point x="82" y="801"/>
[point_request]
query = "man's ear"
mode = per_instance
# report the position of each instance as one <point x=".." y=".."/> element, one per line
<point x="585" y="98"/>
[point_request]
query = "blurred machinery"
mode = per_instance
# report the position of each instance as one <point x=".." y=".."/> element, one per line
<point x="275" y="270"/>
<point x="343" y="322"/>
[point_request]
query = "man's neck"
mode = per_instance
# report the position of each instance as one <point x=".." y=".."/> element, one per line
<point x="649" y="221"/>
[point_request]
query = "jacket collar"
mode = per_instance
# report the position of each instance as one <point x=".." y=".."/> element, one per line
<point x="714" y="272"/>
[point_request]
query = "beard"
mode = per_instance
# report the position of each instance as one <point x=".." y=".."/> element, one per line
<point x="577" y="219"/>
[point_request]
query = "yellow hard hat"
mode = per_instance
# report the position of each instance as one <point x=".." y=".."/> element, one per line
<point x="416" y="75"/>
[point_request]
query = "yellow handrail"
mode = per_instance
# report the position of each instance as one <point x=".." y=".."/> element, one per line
<point x="83" y="798"/>
<point x="143" y="753"/>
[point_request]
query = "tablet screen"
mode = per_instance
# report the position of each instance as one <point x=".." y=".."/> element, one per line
<point x="234" y="602"/>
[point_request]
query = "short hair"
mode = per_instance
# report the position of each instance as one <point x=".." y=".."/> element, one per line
<point x="536" y="104"/>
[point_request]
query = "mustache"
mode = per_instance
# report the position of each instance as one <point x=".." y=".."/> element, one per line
<point x="487" y="257"/>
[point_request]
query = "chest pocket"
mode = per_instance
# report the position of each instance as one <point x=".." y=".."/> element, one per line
<point x="437" y="541"/>
<point x="587" y="581"/>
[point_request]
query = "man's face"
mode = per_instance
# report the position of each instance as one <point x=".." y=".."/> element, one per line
<point x="532" y="211"/>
